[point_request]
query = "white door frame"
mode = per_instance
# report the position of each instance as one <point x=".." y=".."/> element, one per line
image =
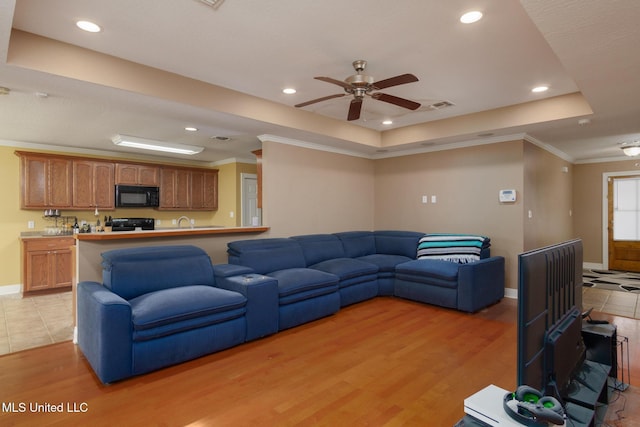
<point x="244" y="176"/>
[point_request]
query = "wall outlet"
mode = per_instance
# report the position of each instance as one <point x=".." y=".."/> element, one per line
<point x="31" y="224"/>
<point x="433" y="199"/>
<point x="174" y="221"/>
<point x="158" y="221"/>
<point x="425" y="199"/>
<point x="232" y="214"/>
<point x="192" y="221"/>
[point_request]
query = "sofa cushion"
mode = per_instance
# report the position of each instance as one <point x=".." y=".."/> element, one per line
<point x="266" y="255"/>
<point x="320" y="247"/>
<point x="347" y="268"/>
<point x="393" y="242"/>
<point x="357" y="243"/>
<point x="385" y="263"/>
<point x="437" y="269"/>
<point x="174" y="310"/>
<point x="132" y="272"/>
<point x="297" y="284"/>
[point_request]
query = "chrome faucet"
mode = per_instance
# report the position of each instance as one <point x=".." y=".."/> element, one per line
<point x="184" y="217"/>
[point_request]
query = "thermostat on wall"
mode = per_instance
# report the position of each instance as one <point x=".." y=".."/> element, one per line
<point x="507" y="196"/>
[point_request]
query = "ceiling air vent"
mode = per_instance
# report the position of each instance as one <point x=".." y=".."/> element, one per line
<point x="440" y="105"/>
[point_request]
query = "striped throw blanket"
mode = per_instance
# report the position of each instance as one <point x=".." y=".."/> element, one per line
<point x="460" y="248"/>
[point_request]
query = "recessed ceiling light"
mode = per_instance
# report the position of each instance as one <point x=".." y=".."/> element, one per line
<point x="191" y="129"/>
<point x="471" y="17"/>
<point x="539" y="89"/>
<point x="88" y="26"/>
<point x="387" y="122"/>
<point x="289" y="90"/>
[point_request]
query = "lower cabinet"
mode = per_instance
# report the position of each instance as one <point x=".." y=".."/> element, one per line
<point x="48" y="263"/>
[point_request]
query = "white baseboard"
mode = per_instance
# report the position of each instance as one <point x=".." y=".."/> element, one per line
<point x="10" y="289"/>
<point x="511" y="293"/>
<point x="592" y="266"/>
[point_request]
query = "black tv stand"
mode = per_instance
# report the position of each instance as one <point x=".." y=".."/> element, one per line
<point x="588" y="395"/>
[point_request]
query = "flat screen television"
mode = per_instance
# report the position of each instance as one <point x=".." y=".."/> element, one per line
<point x="550" y="346"/>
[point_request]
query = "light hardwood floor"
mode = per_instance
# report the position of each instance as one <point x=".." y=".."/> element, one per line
<point x="383" y="362"/>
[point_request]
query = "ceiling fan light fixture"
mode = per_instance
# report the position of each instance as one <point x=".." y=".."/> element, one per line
<point x="149" y="144"/>
<point x="360" y="85"/>
<point x="631" y="149"/>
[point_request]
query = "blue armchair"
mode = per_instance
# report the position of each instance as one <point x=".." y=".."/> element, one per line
<point x="157" y="306"/>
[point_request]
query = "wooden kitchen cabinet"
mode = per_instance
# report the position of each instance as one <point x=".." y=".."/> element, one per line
<point x="137" y="174"/>
<point x="45" y="182"/>
<point x="175" y="188"/>
<point x="93" y="184"/>
<point x="80" y="183"/>
<point x="188" y="189"/>
<point x="48" y="263"/>
<point x="204" y="190"/>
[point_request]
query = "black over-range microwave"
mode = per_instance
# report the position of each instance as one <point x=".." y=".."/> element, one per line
<point x="134" y="196"/>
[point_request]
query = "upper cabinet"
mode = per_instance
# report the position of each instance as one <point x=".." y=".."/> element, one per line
<point x="175" y="188"/>
<point x="66" y="182"/>
<point x="204" y="190"/>
<point x="188" y="189"/>
<point x="137" y="174"/>
<point x="93" y="184"/>
<point x="45" y="182"/>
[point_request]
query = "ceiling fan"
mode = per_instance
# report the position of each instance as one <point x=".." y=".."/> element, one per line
<point x="360" y="85"/>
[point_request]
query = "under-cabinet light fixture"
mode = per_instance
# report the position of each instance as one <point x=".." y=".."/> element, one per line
<point x="149" y="144"/>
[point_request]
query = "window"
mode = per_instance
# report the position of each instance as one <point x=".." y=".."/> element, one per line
<point x="626" y="209"/>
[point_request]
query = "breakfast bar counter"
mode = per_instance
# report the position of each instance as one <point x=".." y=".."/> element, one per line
<point x="168" y="232"/>
<point x="90" y="246"/>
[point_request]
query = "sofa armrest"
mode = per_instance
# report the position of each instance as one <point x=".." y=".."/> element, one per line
<point x="105" y="331"/>
<point x="262" y="301"/>
<point x="480" y="283"/>
<point x="228" y="270"/>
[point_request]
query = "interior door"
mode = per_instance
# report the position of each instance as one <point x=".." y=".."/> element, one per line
<point x="624" y="222"/>
<point x="250" y="211"/>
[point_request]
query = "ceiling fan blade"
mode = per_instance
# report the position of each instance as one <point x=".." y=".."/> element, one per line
<point x="401" y="102"/>
<point x="395" y="81"/>
<point x="324" y="98"/>
<point x="354" y="109"/>
<point x="334" y="81"/>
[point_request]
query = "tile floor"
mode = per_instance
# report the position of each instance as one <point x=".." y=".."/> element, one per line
<point x="34" y="321"/>
<point x="626" y="304"/>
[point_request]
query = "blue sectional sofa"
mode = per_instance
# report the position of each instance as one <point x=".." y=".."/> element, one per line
<point x="163" y="305"/>
<point x="371" y="263"/>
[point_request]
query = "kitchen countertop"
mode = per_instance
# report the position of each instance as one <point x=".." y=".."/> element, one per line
<point x="42" y="235"/>
<point x="166" y="232"/>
